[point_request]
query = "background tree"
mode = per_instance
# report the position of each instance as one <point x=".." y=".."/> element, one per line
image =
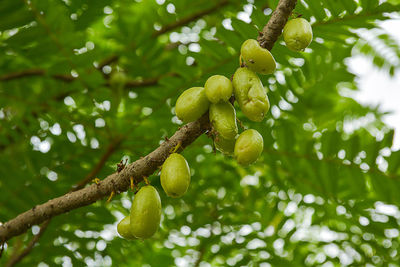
<point x="318" y="195"/>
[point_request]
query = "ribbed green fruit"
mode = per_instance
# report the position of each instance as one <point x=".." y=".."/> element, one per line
<point x="257" y="58"/>
<point x="223" y="120"/>
<point x="145" y="212"/>
<point x="248" y="147"/>
<point x="124" y="228"/>
<point x="297" y="34"/>
<point x="191" y="104"/>
<point x="218" y="88"/>
<point x="175" y="175"/>
<point x="250" y="94"/>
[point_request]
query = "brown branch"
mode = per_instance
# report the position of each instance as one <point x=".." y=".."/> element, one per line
<point x="200" y="257"/>
<point x="107" y="61"/>
<point x="20" y="74"/>
<point x="35" y="72"/>
<point x="119" y="182"/>
<point x="92" y="174"/>
<point x="190" y="18"/>
<point x="67" y="78"/>
<point x="113" y="58"/>
<point x="116" y="182"/>
<point x="17" y="258"/>
<point x="274" y="27"/>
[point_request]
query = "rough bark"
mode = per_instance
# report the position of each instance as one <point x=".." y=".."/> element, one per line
<point x="111" y="148"/>
<point x="274" y="27"/>
<point x="119" y="182"/>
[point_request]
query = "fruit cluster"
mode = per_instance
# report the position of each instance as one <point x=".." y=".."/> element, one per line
<point x="215" y="97"/>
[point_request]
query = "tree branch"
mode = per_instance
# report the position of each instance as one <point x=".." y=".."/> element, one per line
<point x="274" y="27"/>
<point x="190" y="18"/>
<point x="119" y="182"/>
<point x="35" y="72"/>
<point x="14" y="259"/>
<point x="17" y="258"/>
<point x="107" y="61"/>
<point x="68" y="78"/>
<point x="113" y="58"/>
<point x="109" y="151"/>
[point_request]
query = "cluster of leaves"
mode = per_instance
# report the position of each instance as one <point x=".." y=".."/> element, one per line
<point x="318" y="194"/>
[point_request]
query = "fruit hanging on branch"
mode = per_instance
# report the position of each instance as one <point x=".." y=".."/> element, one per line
<point x="248" y="147"/>
<point x="191" y="104"/>
<point x="218" y="88"/>
<point x="250" y="94"/>
<point x="175" y="175"/>
<point x="124" y="228"/>
<point x="145" y="213"/>
<point x="257" y="58"/>
<point x="223" y="120"/>
<point x="297" y="34"/>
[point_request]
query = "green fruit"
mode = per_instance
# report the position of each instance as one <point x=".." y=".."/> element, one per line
<point x="248" y="147"/>
<point x="250" y="94"/>
<point x="191" y="104"/>
<point x="256" y="58"/>
<point x="175" y="175"/>
<point x="145" y="212"/>
<point x="223" y="120"/>
<point x="297" y="34"/>
<point x="225" y="146"/>
<point x="124" y="228"/>
<point x="218" y="88"/>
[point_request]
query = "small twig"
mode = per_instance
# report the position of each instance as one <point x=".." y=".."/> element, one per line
<point x="240" y="124"/>
<point x="109" y="151"/>
<point x="190" y="18"/>
<point x="107" y="61"/>
<point x="14" y="260"/>
<point x="35" y="72"/>
<point x="120" y="182"/>
<point x="273" y="29"/>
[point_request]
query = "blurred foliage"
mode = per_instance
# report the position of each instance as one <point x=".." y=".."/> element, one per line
<point x="320" y="194"/>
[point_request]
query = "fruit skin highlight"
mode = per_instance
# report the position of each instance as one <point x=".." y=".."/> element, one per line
<point x="223" y="120"/>
<point x="297" y="34"/>
<point x="257" y="58"/>
<point x="191" y="104"/>
<point x="218" y="88"/>
<point x="124" y="228"/>
<point x="248" y="147"/>
<point x="145" y="213"/>
<point x="175" y="175"/>
<point x="250" y="94"/>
